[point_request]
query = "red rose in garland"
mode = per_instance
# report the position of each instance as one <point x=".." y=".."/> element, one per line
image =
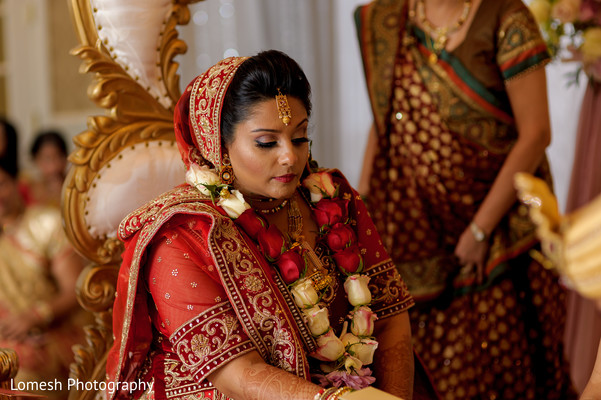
<point x="271" y="242"/>
<point x="329" y="212"/>
<point x="291" y="265"/>
<point x="252" y="223"/>
<point x="349" y="260"/>
<point x="340" y="237"/>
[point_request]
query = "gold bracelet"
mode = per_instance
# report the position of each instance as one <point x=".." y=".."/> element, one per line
<point x="339" y="392"/>
<point x="345" y="389"/>
<point x="478" y="232"/>
<point x="319" y="394"/>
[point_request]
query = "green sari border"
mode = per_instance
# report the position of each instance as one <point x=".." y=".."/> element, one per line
<point x="517" y="66"/>
<point x="379" y="25"/>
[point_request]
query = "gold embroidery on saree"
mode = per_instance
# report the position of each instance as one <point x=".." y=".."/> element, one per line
<point x="518" y="34"/>
<point x="216" y="335"/>
<point x="149" y="212"/>
<point x="200" y="346"/>
<point x="150" y="218"/>
<point x="386" y="286"/>
<point x="205" y="102"/>
<point x="273" y="339"/>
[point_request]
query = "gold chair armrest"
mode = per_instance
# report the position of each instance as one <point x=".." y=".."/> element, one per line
<point x="9" y="365"/>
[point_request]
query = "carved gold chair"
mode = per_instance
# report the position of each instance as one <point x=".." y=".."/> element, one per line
<point x="571" y="243"/>
<point x="8" y="369"/>
<point x="127" y="155"/>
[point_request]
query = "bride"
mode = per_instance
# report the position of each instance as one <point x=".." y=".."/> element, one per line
<point x="263" y="276"/>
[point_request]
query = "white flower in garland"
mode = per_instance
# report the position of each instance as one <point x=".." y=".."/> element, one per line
<point x="357" y="290"/>
<point x="330" y="347"/>
<point x="363" y="320"/>
<point x="233" y="203"/>
<point x="203" y="179"/>
<point x="304" y="293"/>
<point x="364" y="350"/>
<point x="318" y="319"/>
<point x="358" y="345"/>
<point x="208" y="183"/>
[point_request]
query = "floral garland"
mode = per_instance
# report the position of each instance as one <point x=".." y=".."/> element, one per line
<point x="572" y="27"/>
<point x="344" y="357"/>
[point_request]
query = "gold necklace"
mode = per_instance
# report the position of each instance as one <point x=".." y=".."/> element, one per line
<point x="439" y="35"/>
<point x="317" y="271"/>
<point x="274" y="209"/>
<point x="295" y="220"/>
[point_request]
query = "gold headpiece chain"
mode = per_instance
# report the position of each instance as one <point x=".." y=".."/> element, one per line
<point x="284" y="111"/>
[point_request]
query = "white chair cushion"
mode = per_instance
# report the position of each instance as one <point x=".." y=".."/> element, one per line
<point x="137" y="175"/>
<point x="131" y="31"/>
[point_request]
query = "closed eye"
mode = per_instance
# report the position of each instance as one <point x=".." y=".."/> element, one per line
<point x="265" y="145"/>
<point x="300" y="140"/>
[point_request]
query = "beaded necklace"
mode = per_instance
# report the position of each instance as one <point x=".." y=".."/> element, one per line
<point x="274" y="209"/>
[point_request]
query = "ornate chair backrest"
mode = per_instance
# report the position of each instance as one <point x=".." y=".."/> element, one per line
<point x="126" y="156"/>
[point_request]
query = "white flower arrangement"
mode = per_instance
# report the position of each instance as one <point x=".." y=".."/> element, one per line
<point x="208" y="183"/>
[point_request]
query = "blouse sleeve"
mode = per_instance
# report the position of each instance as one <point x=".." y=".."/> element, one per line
<point x="191" y="306"/>
<point x="520" y="45"/>
<point x="390" y="295"/>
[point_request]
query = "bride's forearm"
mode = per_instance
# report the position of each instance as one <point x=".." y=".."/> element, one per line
<point x="250" y="378"/>
<point x="393" y="360"/>
<point x="273" y="383"/>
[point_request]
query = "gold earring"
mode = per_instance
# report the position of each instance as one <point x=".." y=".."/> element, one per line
<point x="283" y="108"/>
<point x="227" y="172"/>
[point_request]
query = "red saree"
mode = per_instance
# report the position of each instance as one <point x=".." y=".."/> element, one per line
<point x="194" y="293"/>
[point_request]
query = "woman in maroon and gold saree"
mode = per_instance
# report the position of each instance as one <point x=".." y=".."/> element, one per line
<point x="236" y="284"/>
<point x="458" y="92"/>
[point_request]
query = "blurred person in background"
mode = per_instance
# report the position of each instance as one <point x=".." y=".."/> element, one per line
<point x="45" y="182"/>
<point x="39" y="313"/>
<point x="9" y="151"/>
<point x="459" y="100"/>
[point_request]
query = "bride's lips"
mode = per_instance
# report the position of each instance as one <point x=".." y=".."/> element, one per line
<point x="285" y="178"/>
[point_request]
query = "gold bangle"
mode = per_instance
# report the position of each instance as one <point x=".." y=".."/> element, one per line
<point x="325" y="395"/>
<point x="339" y="392"/>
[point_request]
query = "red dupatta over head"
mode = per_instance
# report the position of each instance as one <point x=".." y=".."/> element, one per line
<point x="197" y="114"/>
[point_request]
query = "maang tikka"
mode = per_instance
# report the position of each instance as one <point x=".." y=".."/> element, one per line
<point x="284" y="111"/>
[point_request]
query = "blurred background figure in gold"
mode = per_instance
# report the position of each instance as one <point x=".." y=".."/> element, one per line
<point x="39" y="314"/>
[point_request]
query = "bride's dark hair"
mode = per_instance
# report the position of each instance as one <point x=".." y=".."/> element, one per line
<point x="258" y="78"/>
